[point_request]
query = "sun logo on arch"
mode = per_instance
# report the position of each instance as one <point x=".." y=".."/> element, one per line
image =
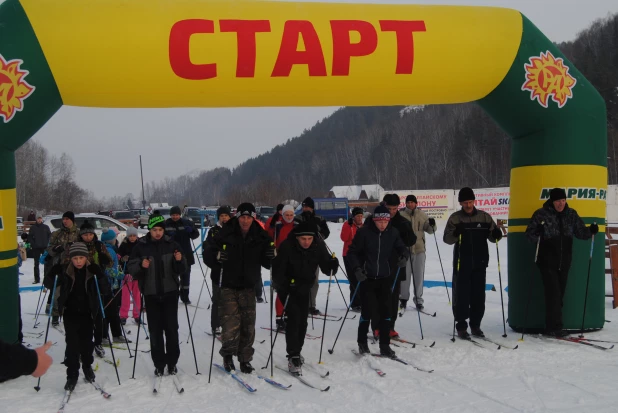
<point x="547" y="76"/>
<point x="13" y="88"/>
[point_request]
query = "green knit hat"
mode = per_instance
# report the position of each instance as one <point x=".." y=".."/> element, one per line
<point x="156" y="220"/>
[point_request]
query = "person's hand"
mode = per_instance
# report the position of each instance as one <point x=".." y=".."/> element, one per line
<point x="125" y="258"/>
<point x="58" y="248"/>
<point x="496" y="233"/>
<point x="177" y="255"/>
<point x="189" y="229"/>
<point x="271" y="251"/>
<point x="334" y="265"/>
<point x="361" y="275"/>
<point x="222" y="256"/>
<point x="432" y="222"/>
<point x="145" y="263"/>
<point x="459" y="229"/>
<point x="594" y="228"/>
<point x="44" y="360"/>
<point x="402" y="261"/>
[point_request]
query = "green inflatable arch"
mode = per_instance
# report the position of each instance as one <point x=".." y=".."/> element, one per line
<point x="214" y="53"/>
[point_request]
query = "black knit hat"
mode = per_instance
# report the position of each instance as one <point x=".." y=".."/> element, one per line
<point x="175" y="210"/>
<point x="556" y="194"/>
<point x="279" y="207"/>
<point x="246" y="208"/>
<point x="357" y="211"/>
<point x="381" y="213"/>
<point x="70" y="215"/>
<point x="308" y="202"/>
<point x="86" y="228"/>
<point x="411" y="198"/>
<point x="156" y="220"/>
<point x="224" y="210"/>
<point x="466" y="194"/>
<point x="391" y="200"/>
<point x="305" y="228"/>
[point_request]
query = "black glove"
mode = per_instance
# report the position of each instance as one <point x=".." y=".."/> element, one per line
<point x="402" y="261"/>
<point x="361" y="275"/>
<point x="95" y="269"/>
<point x="351" y="221"/>
<point x="334" y="265"/>
<point x="459" y="229"/>
<point x="432" y="222"/>
<point x="594" y="229"/>
<point x="496" y="233"/>
<point x="274" y="219"/>
<point x="222" y="256"/>
<point x="271" y="251"/>
<point x="125" y="258"/>
<point x="58" y="248"/>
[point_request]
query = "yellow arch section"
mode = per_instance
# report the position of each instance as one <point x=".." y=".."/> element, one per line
<point x="145" y="53"/>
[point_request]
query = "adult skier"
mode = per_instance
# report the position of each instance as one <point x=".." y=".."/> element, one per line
<point x="554" y="226"/>
<point x="469" y="229"/>
<point x="370" y="255"/>
<point x="294" y="273"/>
<point x="38" y="236"/>
<point x="183" y="231"/>
<point x="348" y="232"/>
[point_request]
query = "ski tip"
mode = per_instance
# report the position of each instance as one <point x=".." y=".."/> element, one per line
<point x="434" y="314"/>
<point x="453" y="339"/>
<point x="330" y="351"/>
<point x="499" y="347"/>
<point x="414" y="345"/>
<point x="432" y="344"/>
<point x="326" y="389"/>
<point x="611" y="347"/>
<point x="516" y="347"/>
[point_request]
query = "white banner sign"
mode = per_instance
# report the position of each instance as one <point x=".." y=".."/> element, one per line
<point x="494" y="201"/>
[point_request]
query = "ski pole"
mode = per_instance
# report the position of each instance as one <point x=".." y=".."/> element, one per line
<point x="51" y="309"/>
<point x="536" y="256"/>
<point x="36" y="313"/>
<point x="124" y="334"/>
<point x="441" y="266"/>
<point x="212" y="351"/>
<point x="395" y="282"/>
<point x="264" y="293"/>
<point x="335" y="275"/>
<point x="197" y="371"/>
<point x="271" y="304"/>
<point x="501" y="297"/>
<point x="202" y="269"/>
<point x="138" y="330"/>
<point x="196" y="306"/>
<point x="581" y="334"/>
<point x="330" y="351"/>
<point x="420" y="324"/>
<point x="458" y="264"/>
<point x="40" y="309"/>
<point x="96" y="283"/>
<point x="325" y="312"/>
<point x="272" y="346"/>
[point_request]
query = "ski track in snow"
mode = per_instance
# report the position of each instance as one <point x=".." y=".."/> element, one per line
<point x="541" y="376"/>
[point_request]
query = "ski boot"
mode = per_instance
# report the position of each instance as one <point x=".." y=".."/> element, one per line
<point x="246" y="367"/>
<point x="71" y="383"/>
<point x="228" y="363"/>
<point x="172" y="370"/>
<point x="55" y="321"/>
<point x="88" y="373"/>
<point x="463" y="334"/>
<point x="159" y="371"/>
<point x="121" y="340"/>
<point x="403" y="304"/>
<point x="376" y="335"/>
<point x="387" y="351"/>
<point x="477" y="332"/>
<point x="294" y="365"/>
<point x="123" y="321"/>
<point x="105" y="342"/>
<point x="363" y="348"/>
<point x="420" y="307"/>
<point x="314" y="311"/>
<point x="138" y="320"/>
<point x="259" y="300"/>
<point x="557" y="333"/>
<point x="281" y="324"/>
<point x="356" y="309"/>
<point x="393" y="334"/>
<point x="100" y="351"/>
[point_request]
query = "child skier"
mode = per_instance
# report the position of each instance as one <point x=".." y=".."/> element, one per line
<point x="115" y="278"/>
<point x="130" y="286"/>
<point x="294" y="272"/>
<point x="83" y="286"/>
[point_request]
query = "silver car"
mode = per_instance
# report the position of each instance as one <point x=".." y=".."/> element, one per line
<point x="54" y="222"/>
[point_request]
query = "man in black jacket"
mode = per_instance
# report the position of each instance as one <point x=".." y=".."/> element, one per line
<point x="554" y="226"/>
<point x="157" y="262"/>
<point x="182" y="231"/>
<point x="408" y="237"/>
<point x="371" y="255"/>
<point x="17" y="360"/>
<point x="308" y="215"/>
<point x="239" y="250"/>
<point x="38" y="237"/>
<point x="294" y="273"/>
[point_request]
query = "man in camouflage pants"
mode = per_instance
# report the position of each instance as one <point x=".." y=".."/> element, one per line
<point x="239" y="251"/>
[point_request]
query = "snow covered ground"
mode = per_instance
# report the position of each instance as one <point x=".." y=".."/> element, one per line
<point x="541" y="376"/>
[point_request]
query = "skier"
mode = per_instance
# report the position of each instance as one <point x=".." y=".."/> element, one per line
<point x="294" y="271"/>
<point x="115" y="279"/>
<point x="348" y="231"/>
<point x="370" y="255"/>
<point x="130" y="288"/>
<point x="239" y="250"/>
<point x="469" y="229"/>
<point x="421" y="223"/>
<point x="309" y="215"/>
<point x="157" y="262"/>
<point x="183" y="231"/>
<point x="38" y="236"/>
<point x="554" y="226"/>
<point x="80" y="303"/>
<point x="404" y="228"/>
<point x="224" y="213"/>
<point x="277" y="217"/>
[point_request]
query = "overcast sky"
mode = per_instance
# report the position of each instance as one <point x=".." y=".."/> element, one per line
<point x="105" y="144"/>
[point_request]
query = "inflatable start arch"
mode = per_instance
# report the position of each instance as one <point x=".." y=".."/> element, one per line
<point x="209" y="53"/>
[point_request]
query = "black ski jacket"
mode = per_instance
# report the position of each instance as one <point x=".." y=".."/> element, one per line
<point x="215" y="272"/>
<point x="16" y="360"/>
<point x="556" y="246"/>
<point x="296" y="263"/>
<point x="76" y="297"/>
<point x="322" y="225"/>
<point x="183" y="231"/>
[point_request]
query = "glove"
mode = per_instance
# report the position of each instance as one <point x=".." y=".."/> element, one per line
<point x="496" y="233"/>
<point x="334" y="265"/>
<point x="95" y="269"/>
<point x="432" y="222"/>
<point x="402" y="261"/>
<point x="189" y="229"/>
<point x="594" y="229"/>
<point x="58" y="248"/>
<point x="351" y="221"/>
<point x="361" y="275"/>
<point x="459" y="229"/>
<point x="125" y="258"/>
<point x="271" y="252"/>
<point x="222" y="256"/>
<point x="275" y="219"/>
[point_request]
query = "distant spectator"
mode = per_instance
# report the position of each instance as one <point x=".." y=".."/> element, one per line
<point x="38" y="237"/>
<point x="31" y="216"/>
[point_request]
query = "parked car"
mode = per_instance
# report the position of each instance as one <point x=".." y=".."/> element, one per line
<point x="126" y="217"/>
<point x="54" y="222"/>
<point x="331" y="209"/>
<point x="264" y="212"/>
<point x="195" y="215"/>
<point x="20" y="225"/>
